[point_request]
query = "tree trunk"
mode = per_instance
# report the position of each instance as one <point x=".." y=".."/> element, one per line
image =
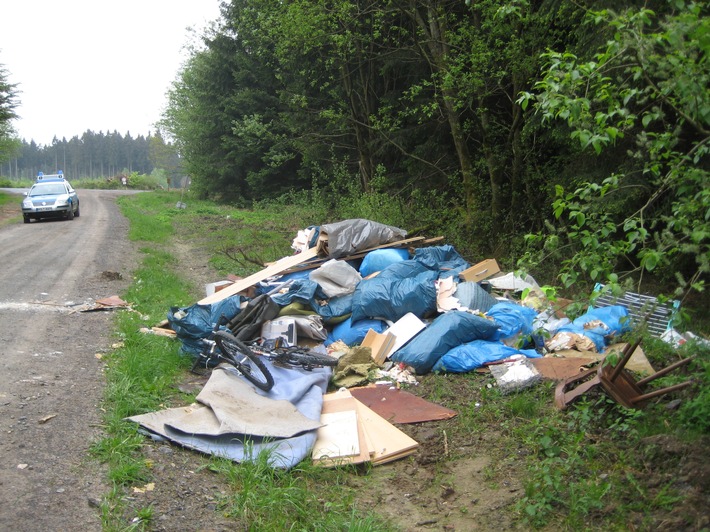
<point x="434" y="28"/>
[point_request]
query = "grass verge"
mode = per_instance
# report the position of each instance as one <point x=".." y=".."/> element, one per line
<point x="595" y="466"/>
<point x="142" y="372"/>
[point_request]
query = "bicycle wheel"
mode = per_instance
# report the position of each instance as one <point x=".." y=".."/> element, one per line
<point x="306" y="358"/>
<point x="245" y="360"/>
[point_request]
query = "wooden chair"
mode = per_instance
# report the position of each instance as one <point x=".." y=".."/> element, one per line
<point x="617" y="381"/>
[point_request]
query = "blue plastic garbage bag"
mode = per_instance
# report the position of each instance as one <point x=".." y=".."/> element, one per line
<point x="512" y="318"/>
<point x="379" y="259"/>
<point x="444" y="259"/>
<point x="353" y="332"/>
<point x="335" y="308"/>
<point x="473" y="297"/>
<point x="301" y="291"/>
<point x="390" y="297"/>
<point x="443" y="334"/>
<point x="472" y="355"/>
<point x="192" y="324"/>
<point x="615" y="318"/>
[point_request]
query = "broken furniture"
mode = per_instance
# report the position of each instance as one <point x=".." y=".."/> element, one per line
<point x="617" y="381"/>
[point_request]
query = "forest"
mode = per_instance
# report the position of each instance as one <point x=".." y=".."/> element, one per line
<point x="566" y="134"/>
<point x="568" y="137"/>
<point x="92" y="156"/>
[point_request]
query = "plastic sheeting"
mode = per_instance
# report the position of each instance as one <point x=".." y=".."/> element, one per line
<point x="351" y="236"/>
<point x="443" y="334"/>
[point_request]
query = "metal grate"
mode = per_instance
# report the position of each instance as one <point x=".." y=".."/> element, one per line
<point x="658" y="315"/>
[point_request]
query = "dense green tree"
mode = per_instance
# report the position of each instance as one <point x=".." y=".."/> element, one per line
<point x="646" y="87"/>
<point x="90" y="156"/>
<point x="8" y="103"/>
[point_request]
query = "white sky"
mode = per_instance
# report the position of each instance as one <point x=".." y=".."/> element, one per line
<point x="102" y="65"/>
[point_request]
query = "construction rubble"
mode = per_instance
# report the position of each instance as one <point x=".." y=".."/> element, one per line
<point x="390" y="308"/>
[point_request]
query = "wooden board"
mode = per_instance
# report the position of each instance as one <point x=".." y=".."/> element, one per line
<point x="380" y="344"/>
<point x="277" y="267"/>
<point x="380" y="441"/>
<point x="334" y="403"/>
<point x="338" y="436"/>
<point x="399" y="406"/>
<point x="387" y="441"/>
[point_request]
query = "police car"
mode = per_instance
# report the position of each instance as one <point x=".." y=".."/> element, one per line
<point x="51" y="196"/>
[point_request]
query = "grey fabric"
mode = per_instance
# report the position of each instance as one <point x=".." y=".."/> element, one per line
<point x="303" y="389"/>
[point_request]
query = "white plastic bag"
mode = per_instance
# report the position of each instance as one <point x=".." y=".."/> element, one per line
<point x="336" y="278"/>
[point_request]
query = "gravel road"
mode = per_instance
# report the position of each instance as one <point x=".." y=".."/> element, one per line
<point x="50" y="375"/>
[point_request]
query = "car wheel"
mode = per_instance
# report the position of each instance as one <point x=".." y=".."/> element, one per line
<point x="70" y="213"/>
<point x="26" y="219"/>
<point x="77" y="210"/>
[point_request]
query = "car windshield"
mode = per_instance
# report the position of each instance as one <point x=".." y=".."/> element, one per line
<point x="44" y="190"/>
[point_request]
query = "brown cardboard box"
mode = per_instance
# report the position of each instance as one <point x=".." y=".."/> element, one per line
<point x="480" y="271"/>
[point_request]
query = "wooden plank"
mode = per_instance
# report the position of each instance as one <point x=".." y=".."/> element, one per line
<point x="388" y="441"/>
<point x="418" y="240"/>
<point x="338" y="436"/>
<point x="277" y="267"/>
<point x="335" y="403"/>
<point x="380" y="344"/>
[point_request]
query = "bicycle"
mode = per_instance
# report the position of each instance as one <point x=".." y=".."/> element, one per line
<point x="291" y="355"/>
<point x="222" y="346"/>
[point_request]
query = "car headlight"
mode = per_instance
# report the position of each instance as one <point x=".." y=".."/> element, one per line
<point x="27" y="204"/>
<point x="62" y="200"/>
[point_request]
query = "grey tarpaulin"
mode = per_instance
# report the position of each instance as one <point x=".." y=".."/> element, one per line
<point x="303" y="389"/>
<point x="351" y="236"/>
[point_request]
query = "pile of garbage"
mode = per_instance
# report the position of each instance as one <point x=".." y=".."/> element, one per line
<point x="360" y="283"/>
<point x="390" y="309"/>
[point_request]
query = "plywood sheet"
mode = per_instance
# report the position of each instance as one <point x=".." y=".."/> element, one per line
<point x="398" y="406"/>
